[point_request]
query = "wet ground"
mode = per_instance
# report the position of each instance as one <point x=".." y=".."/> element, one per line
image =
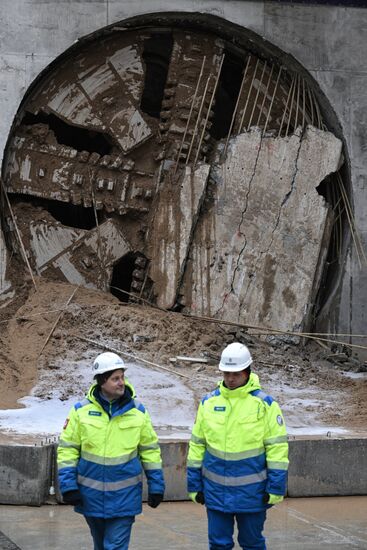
<point x="303" y="523"/>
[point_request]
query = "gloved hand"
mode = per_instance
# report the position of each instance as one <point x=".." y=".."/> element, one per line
<point x="197" y="497"/>
<point x="72" y="497"/>
<point x="272" y="499"/>
<point x="154" y="499"/>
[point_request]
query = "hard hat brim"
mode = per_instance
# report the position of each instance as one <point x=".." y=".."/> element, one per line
<point x="109" y="370"/>
<point x="234" y="368"/>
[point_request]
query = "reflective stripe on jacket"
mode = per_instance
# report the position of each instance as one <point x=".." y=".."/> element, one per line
<point x="104" y="455"/>
<point x="238" y="449"/>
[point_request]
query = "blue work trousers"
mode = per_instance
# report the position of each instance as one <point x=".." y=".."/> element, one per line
<point x="112" y="533"/>
<point x="250" y="527"/>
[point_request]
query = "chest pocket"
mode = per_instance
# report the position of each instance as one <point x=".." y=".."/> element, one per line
<point x="214" y="424"/>
<point x="92" y="432"/>
<point x="129" y="428"/>
<point x="251" y="426"/>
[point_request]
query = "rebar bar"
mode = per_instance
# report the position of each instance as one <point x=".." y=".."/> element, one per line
<point x="236" y="106"/>
<point x="198" y="119"/>
<point x="291" y="105"/>
<point x="286" y="106"/>
<point x="265" y="96"/>
<point x="248" y="97"/>
<point x="190" y="113"/>
<point x="209" y="109"/>
<point x="256" y="97"/>
<point x="272" y="100"/>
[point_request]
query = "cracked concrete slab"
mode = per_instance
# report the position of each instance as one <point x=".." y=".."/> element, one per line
<point x="178" y="207"/>
<point x="256" y="250"/>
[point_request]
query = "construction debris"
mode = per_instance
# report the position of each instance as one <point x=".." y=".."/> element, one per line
<point x="94" y="321"/>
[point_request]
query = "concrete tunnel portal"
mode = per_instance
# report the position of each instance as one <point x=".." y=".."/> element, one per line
<point x="183" y="164"/>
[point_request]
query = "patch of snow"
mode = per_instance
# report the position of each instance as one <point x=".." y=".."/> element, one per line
<point x="354" y="375"/>
<point x="169" y="402"/>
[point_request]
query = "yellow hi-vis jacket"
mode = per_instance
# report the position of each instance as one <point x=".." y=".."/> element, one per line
<point x="103" y="453"/>
<point x="238" y="450"/>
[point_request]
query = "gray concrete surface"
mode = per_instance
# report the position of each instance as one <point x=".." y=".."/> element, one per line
<point x="25" y="474"/>
<point x="318" y="467"/>
<point x="335" y="523"/>
<point x="326" y="467"/>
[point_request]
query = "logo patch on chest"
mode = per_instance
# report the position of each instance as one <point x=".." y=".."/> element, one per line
<point x="220" y="409"/>
<point x="95" y="413"/>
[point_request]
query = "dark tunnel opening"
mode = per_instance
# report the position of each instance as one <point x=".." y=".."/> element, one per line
<point x="122" y="276"/>
<point x="72" y="136"/>
<point x="157" y="55"/>
<point x="330" y="189"/>
<point x="70" y="215"/>
<point x="226" y="96"/>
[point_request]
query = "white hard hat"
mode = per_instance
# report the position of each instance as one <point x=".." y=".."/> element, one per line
<point x="235" y="357"/>
<point x="107" y="361"/>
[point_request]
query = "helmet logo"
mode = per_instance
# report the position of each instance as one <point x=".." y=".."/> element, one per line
<point x="95" y="366"/>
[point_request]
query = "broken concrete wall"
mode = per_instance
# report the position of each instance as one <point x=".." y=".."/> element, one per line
<point x="339" y="71"/>
<point x="256" y="251"/>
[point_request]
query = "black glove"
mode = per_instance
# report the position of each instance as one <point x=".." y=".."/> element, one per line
<point x="200" y="499"/>
<point x="154" y="499"/>
<point x="72" y="497"/>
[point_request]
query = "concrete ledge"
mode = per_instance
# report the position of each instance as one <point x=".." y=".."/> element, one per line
<point x="318" y="467"/>
<point x="25" y="474"/>
<point x="327" y="467"/>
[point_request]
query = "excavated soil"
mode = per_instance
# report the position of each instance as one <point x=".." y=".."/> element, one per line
<point x="36" y="335"/>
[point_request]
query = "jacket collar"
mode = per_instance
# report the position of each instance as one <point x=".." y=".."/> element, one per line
<point x="252" y="384"/>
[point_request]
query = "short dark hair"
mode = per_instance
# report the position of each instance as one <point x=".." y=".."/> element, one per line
<point x="102" y="378"/>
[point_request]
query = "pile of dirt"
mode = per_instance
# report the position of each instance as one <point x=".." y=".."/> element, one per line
<point x="46" y="329"/>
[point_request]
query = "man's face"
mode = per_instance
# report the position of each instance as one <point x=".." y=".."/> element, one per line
<point x="114" y="387"/>
<point x="234" y="380"/>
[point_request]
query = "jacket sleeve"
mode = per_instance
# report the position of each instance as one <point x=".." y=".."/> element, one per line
<point x="68" y="453"/>
<point x="150" y="456"/>
<point x="196" y="454"/>
<point x="276" y="449"/>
